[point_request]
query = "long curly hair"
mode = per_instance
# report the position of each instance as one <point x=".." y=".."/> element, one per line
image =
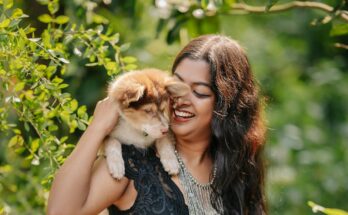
<point x="238" y="128"/>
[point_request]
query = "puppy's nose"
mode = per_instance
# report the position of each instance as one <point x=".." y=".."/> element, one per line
<point x="164" y="130"/>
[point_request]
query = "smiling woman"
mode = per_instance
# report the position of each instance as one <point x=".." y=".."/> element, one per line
<point x="220" y="123"/>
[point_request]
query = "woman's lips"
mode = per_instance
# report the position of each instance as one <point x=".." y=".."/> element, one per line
<point x="182" y="116"/>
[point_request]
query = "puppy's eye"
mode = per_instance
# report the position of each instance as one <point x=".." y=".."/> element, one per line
<point x="147" y="110"/>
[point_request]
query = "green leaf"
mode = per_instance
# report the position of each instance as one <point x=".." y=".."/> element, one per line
<point x="45" y="18"/>
<point x="29" y="30"/>
<point x="7" y="4"/>
<point x="339" y="30"/>
<point x="15" y="140"/>
<point x="50" y="71"/>
<point x="73" y="105"/>
<point x="51" y="114"/>
<point x="114" y="39"/>
<point x="17" y="13"/>
<point x="57" y="80"/>
<point x="22" y="33"/>
<point x="85" y="117"/>
<point x="5" y="169"/>
<point x="81" y="125"/>
<point x="62" y="86"/>
<point x="17" y="131"/>
<point x="104" y="37"/>
<point x="124" y="47"/>
<point x="26" y="126"/>
<point x="35" y="145"/>
<point x="130" y="67"/>
<point x="63" y="70"/>
<point x="129" y="59"/>
<point x="65" y="116"/>
<point x="81" y="111"/>
<point x="111" y="65"/>
<point x="63" y="139"/>
<point x="98" y="19"/>
<point x="204" y="4"/>
<point x="62" y="19"/>
<point x="53" y="6"/>
<point x="53" y="128"/>
<point x="73" y="126"/>
<point x="19" y="86"/>
<point x="5" y="23"/>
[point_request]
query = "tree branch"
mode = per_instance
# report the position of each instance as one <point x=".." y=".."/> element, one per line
<point x="288" y="6"/>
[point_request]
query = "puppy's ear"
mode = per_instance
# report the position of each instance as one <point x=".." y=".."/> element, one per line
<point x="176" y="88"/>
<point x="127" y="93"/>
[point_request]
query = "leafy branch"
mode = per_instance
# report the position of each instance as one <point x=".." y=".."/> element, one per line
<point x="37" y="115"/>
<point x="183" y="14"/>
<point x="342" y="14"/>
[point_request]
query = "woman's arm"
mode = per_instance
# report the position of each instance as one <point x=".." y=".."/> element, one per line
<point x="83" y="186"/>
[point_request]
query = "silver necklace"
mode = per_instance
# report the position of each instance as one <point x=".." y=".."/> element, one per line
<point x="197" y="194"/>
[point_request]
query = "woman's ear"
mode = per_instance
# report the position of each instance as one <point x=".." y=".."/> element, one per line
<point x="176" y="88"/>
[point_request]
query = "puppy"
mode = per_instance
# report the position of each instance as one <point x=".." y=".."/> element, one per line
<point x="143" y="104"/>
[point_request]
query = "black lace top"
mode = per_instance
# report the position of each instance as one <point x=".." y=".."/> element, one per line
<point x="157" y="193"/>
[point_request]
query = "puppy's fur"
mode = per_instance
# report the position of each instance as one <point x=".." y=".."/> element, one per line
<point x="143" y="102"/>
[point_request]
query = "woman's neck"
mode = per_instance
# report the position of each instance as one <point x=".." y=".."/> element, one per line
<point x="193" y="152"/>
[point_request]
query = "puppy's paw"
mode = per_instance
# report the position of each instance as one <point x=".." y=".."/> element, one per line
<point x="116" y="167"/>
<point x="170" y="165"/>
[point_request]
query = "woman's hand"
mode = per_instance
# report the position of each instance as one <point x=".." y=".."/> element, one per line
<point x="105" y="116"/>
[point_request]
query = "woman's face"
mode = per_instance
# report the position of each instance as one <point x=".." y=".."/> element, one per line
<point x="192" y="114"/>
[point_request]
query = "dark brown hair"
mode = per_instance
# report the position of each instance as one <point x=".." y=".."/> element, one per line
<point x="237" y="125"/>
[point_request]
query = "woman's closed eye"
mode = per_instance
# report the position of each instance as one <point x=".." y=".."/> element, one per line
<point x="201" y="95"/>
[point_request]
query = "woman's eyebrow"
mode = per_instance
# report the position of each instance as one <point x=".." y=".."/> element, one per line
<point x="195" y="83"/>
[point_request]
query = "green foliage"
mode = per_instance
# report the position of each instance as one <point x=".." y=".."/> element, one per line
<point x="37" y="115"/>
<point x="201" y="17"/>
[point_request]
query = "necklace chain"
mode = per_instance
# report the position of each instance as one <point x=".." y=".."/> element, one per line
<point x="197" y="194"/>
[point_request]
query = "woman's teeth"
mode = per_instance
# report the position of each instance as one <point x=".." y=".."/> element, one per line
<point x="183" y="114"/>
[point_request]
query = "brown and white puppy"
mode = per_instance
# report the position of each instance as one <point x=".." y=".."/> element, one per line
<point x="143" y="100"/>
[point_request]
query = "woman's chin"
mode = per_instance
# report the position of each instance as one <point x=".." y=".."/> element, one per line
<point x="180" y="129"/>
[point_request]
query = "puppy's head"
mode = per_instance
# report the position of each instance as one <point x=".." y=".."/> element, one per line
<point x="143" y="98"/>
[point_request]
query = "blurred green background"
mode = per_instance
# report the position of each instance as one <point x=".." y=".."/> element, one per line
<point x="302" y="75"/>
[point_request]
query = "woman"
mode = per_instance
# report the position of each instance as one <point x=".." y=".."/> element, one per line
<point x="219" y="135"/>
